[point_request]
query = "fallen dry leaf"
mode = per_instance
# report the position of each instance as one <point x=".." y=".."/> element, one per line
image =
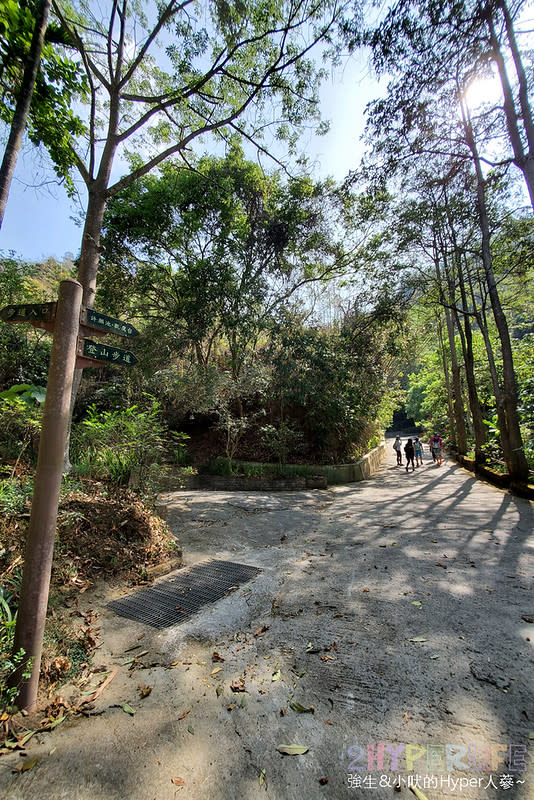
<point x="299" y="708"/>
<point x="178" y="781"/>
<point x="185" y="713"/>
<point x="237" y="685"/>
<point x="292" y="749"/>
<point x="101" y="688"/>
<point x="261" y="629"/>
<point x="25" y="764"/>
<point x="216" y="657"/>
<point x="144" y="691"/>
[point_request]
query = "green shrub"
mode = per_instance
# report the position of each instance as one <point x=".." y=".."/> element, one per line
<point x="118" y="445"/>
<point x="179" y="447"/>
<point x="15" y="496"/>
<point x="20" y="427"/>
<point x="281" y="440"/>
<point x="9" y="662"/>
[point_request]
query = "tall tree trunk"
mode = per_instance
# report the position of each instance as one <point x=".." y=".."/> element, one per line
<point x="497" y="392"/>
<point x="523" y="160"/>
<point x="458" y="404"/>
<point x="450" y="401"/>
<point x="467" y="347"/>
<point x="526" y="111"/>
<point x="514" y="455"/>
<point x="479" y="429"/>
<point x="22" y="108"/>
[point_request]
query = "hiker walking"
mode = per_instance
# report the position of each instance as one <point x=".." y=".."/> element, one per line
<point x="418" y="447"/>
<point x="409" y="452"/>
<point x="436" y="444"/>
<point x="397" y="445"/>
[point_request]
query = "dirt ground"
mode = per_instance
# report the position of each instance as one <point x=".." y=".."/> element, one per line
<point x="389" y="635"/>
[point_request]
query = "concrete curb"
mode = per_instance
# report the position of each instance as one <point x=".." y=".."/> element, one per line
<point x="500" y="479"/>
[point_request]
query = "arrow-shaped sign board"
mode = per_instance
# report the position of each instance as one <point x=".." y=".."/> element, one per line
<point x="29" y="312"/>
<point x="101" y="322"/>
<point x="103" y="352"/>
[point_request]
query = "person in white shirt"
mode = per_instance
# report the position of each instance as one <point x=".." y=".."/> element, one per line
<point x="397" y="446"/>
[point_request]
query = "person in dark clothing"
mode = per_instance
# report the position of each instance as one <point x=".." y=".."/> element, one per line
<point x="409" y="452"/>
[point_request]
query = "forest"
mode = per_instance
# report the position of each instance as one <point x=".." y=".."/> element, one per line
<point x="282" y="318"/>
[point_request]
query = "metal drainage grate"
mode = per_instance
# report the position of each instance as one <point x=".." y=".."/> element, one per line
<point x="175" y="599"/>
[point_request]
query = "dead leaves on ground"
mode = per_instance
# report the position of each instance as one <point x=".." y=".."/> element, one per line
<point x="292" y="749"/>
<point x="237" y="685"/>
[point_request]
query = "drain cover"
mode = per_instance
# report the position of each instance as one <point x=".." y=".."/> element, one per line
<point x="175" y="599"/>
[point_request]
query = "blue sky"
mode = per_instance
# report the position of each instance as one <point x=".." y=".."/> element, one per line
<point x="38" y="222"/>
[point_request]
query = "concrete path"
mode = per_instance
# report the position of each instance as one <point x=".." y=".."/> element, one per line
<point x="400" y="609"/>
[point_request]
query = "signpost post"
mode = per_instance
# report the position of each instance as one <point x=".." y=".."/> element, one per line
<point x="69" y="323"/>
<point x="33" y="601"/>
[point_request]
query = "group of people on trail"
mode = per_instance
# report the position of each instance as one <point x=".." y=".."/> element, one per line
<point x="413" y="451"/>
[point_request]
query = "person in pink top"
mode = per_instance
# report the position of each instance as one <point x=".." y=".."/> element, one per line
<point x="436" y="444"/>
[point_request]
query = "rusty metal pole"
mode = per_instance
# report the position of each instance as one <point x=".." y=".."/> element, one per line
<point x="33" y="602"/>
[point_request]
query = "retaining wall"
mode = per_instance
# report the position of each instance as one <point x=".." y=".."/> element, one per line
<point x="324" y="475"/>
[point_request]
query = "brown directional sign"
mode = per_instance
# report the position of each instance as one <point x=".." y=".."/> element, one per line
<point x="101" y="322"/>
<point x="95" y="351"/>
<point x="37" y="314"/>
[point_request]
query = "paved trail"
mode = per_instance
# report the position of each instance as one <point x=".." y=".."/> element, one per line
<point x="398" y="608"/>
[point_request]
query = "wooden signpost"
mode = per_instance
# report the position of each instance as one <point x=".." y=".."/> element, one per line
<point x="70" y="323"/>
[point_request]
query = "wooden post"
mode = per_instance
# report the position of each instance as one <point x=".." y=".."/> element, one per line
<point x="33" y="602"/>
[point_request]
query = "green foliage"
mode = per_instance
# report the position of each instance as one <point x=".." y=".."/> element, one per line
<point x="9" y="662"/>
<point x="426" y="401"/>
<point x="179" y="447"/>
<point x="112" y="445"/>
<point x="226" y="244"/>
<point x="251" y="469"/>
<point x="184" y="390"/>
<point x="332" y="382"/>
<point x="51" y="121"/>
<point x="281" y="440"/>
<point x="24" y="351"/>
<point x="26" y="392"/>
<point x="524" y="364"/>
<point x="15" y="496"/>
<point x="20" y="426"/>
